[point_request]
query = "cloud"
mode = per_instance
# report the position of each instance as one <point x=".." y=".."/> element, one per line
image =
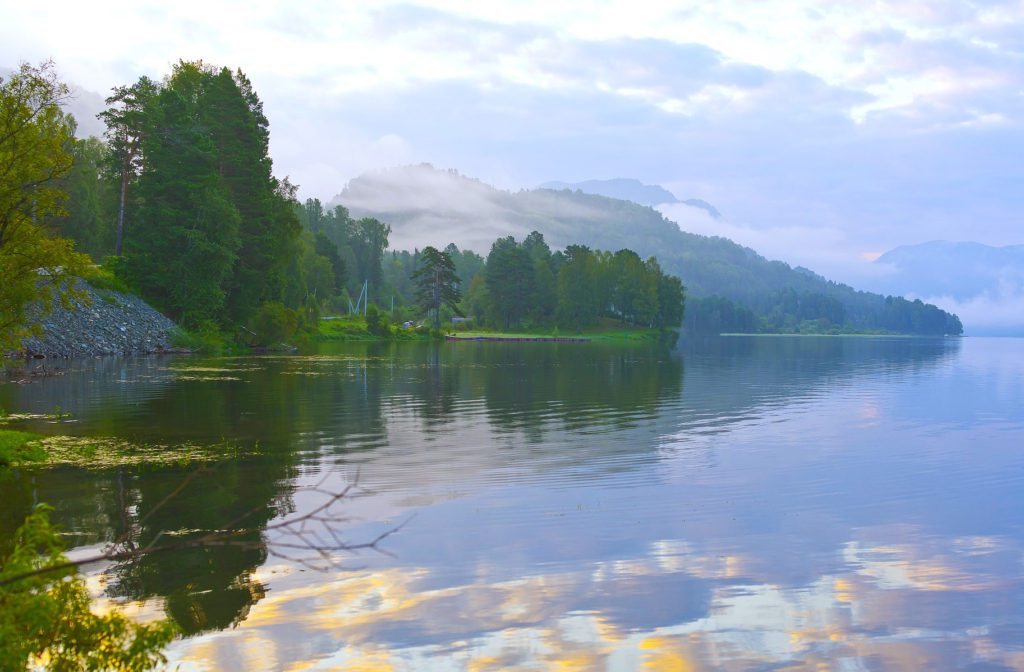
<point x="877" y="125"/>
<point x="424" y="206"/>
<point x="997" y="313"/>
<point x="818" y="248"/>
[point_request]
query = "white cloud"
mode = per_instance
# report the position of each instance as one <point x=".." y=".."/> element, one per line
<point x="838" y="128"/>
<point x="825" y="250"/>
<point x="999" y="313"/>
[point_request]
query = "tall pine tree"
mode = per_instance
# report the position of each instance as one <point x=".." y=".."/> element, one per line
<point x="184" y="248"/>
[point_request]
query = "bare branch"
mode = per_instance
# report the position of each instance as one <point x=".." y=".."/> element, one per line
<point x="311" y="540"/>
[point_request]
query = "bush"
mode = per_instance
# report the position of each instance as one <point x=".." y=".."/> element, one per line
<point x="112" y="274"/>
<point x="206" y="339"/>
<point x="105" y="278"/>
<point x="274" y="323"/>
<point x="376" y="321"/>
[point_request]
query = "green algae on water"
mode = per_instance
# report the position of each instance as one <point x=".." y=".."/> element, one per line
<point x="106" y="452"/>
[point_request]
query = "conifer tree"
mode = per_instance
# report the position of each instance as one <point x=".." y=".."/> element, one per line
<point x="183" y="250"/>
<point x="436" y="283"/>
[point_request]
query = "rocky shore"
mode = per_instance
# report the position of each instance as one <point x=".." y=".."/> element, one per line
<point x="102" y="322"/>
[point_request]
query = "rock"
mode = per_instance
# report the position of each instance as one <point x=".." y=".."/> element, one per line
<point x="104" y="323"/>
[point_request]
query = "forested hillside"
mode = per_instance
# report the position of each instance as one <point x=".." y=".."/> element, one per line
<point x="729" y="287"/>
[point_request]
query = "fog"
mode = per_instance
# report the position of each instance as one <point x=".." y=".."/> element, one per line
<point x="425" y="206"/>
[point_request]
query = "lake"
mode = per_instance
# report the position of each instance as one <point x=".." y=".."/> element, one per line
<point x="747" y="503"/>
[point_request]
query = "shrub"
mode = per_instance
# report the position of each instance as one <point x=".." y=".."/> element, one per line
<point x="274" y="323"/>
<point x="376" y="321"/>
<point x="206" y="339"/>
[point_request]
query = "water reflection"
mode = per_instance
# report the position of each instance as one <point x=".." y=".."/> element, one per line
<point x="734" y="504"/>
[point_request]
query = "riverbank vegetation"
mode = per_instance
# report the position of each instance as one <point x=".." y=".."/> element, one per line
<point x="793" y="312"/>
<point x="178" y="203"/>
<point x="45" y="614"/>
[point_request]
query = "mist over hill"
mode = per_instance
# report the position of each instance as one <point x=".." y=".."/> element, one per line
<point x="632" y="190"/>
<point x="428" y="206"/>
<point x="982" y="283"/>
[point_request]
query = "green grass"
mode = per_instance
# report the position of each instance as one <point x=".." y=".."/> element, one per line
<point x="344" y="329"/>
<point x="18" y="447"/>
<point x="353" y="328"/>
<point x="208" y="341"/>
<point x="601" y="333"/>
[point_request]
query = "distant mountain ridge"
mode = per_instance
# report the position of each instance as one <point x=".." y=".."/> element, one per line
<point x="427" y="206"/>
<point x="625" y="189"/>
<point x="983" y="283"/>
<point x="960" y="270"/>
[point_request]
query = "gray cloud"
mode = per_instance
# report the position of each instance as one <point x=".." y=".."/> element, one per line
<point x="852" y="130"/>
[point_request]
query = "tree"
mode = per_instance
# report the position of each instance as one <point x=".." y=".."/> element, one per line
<point x="671" y="300"/>
<point x="368" y="238"/>
<point x="86" y="221"/>
<point x="437" y="283"/>
<point x="214" y="232"/>
<point x="183" y="250"/>
<point x="327" y="249"/>
<point x="45" y="615"/>
<point x="127" y="120"/>
<point x="34" y="135"/>
<point x="268" y="228"/>
<point x="579" y="302"/>
<point x="509" y="277"/>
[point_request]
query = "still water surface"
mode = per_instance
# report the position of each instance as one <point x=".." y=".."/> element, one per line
<point x="734" y="504"/>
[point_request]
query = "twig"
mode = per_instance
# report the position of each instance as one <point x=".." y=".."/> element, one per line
<point x="292" y="534"/>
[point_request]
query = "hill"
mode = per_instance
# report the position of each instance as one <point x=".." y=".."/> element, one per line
<point x="985" y="283"/>
<point x="958" y="270"/>
<point x="427" y="206"/>
<point x="632" y="190"/>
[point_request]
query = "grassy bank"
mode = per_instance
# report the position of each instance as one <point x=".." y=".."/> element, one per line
<point x="355" y="328"/>
<point x="599" y="334"/>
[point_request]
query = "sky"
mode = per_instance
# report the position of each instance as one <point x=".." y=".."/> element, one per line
<point x="825" y="132"/>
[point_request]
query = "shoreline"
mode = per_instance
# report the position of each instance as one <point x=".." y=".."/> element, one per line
<point x="520" y="339"/>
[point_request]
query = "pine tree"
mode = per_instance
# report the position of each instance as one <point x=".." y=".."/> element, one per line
<point x="126" y="120"/>
<point x="436" y="283"/>
<point x="182" y="252"/>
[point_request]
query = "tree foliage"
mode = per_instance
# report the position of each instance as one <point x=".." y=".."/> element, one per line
<point x="46" y="619"/>
<point x="34" y="136"/>
<point x="127" y="121"/>
<point x="437" y="284"/>
<point x="354" y="248"/>
<point x="214" y="232"/>
<point x="525" y="285"/>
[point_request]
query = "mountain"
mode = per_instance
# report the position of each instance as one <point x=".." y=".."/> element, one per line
<point x="427" y="206"/>
<point x="958" y="270"/>
<point x="984" y="283"/>
<point x="620" y="188"/>
<point x="631" y="190"/>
